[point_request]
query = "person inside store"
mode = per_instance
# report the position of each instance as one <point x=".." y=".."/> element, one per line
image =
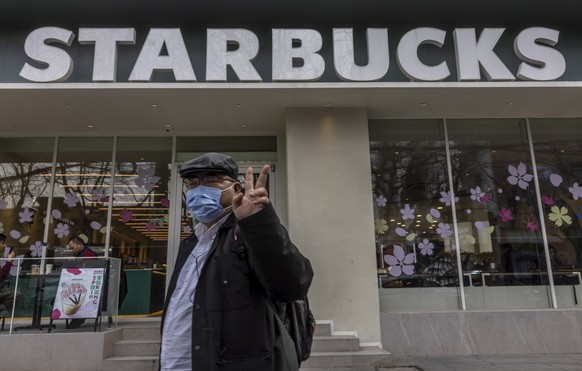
<point x="6" y="293"/>
<point x="229" y="274"/>
<point x="509" y="263"/>
<point x="79" y="248"/>
<point x="442" y="271"/>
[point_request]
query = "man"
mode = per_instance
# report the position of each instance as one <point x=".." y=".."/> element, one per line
<point x="6" y="294"/>
<point x="79" y="248"/>
<point x="219" y="313"/>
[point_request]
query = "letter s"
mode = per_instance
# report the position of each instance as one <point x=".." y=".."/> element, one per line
<point x="60" y="63"/>
<point x="533" y="45"/>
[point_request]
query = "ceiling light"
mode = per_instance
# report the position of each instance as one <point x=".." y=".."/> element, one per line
<point x="510" y="103"/>
<point x="243" y="125"/>
<point x="327" y="104"/>
<point x="423" y="104"/>
<point x="89" y="126"/>
<point x="168" y="125"/>
<point x="239" y="105"/>
<point x="67" y="105"/>
<point x="154" y="105"/>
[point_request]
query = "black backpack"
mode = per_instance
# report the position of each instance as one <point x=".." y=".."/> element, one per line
<point x="301" y="326"/>
<point x="298" y="319"/>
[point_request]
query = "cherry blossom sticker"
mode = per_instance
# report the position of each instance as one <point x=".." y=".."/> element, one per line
<point x="3" y="204"/>
<point x="400" y="262"/>
<point x="71" y="199"/>
<point x="146" y="178"/>
<point x="444" y="230"/>
<point x="446" y="198"/>
<point x="547" y="200"/>
<point x="151" y="225"/>
<point x="126" y="215"/>
<point x="560" y="216"/>
<point x="381" y="201"/>
<point x="380" y="226"/>
<point x="26" y="215"/>
<point x="61" y="230"/>
<point x="556" y="180"/>
<point x="426" y="247"/>
<point x="576" y="191"/>
<point x="407" y="213"/>
<point x="56" y="214"/>
<point x="401" y="232"/>
<point x="505" y="214"/>
<point x="518" y="175"/>
<point x="36" y="249"/>
<point x="166" y="202"/>
<point x="95" y="225"/>
<point x="15" y="234"/>
<point x="476" y="193"/>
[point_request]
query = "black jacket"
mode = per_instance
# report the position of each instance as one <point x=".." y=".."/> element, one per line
<point x="233" y="325"/>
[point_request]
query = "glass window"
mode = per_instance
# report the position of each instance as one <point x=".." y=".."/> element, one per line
<point x="413" y="219"/>
<point x="557" y="150"/>
<point x="81" y="192"/>
<point x="500" y="238"/>
<point x="25" y="175"/>
<point x="140" y="216"/>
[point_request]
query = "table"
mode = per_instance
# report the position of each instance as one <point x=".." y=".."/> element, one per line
<point x="38" y="300"/>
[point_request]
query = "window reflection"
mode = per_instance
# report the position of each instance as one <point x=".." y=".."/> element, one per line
<point x="81" y="190"/>
<point x="412" y="205"/>
<point x="25" y="168"/>
<point x="498" y="218"/>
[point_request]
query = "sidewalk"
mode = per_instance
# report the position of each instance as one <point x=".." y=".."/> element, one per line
<point x="543" y="362"/>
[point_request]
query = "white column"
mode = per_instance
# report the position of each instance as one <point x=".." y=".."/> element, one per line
<point x="331" y="214"/>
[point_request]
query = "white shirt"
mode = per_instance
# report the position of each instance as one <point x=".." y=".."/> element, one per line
<point x="177" y="335"/>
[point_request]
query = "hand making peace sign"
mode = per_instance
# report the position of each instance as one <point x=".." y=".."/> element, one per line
<point x="255" y="197"/>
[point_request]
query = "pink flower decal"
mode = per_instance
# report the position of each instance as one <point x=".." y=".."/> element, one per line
<point x="75" y="271"/>
<point x="56" y="314"/>
<point x="151" y="225"/>
<point x="485" y="198"/>
<point x="126" y="215"/>
<point x="532" y="226"/>
<point x="505" y="214"/>
<point x="400" y="262"/>
<point x="3" y="204"/>
<point x="547" y="200"/>
<point x="165" y="202"/>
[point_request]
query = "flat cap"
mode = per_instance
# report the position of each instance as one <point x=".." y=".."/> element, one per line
<point x="210" y="162"/>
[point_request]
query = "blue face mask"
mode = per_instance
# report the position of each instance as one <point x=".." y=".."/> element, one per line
<point x="204" y="203"/>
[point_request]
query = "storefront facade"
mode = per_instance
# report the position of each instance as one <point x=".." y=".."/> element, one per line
<point x="425" y="157"/>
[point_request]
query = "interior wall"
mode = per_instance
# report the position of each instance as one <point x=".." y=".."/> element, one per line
<point x="331" y="215"/>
